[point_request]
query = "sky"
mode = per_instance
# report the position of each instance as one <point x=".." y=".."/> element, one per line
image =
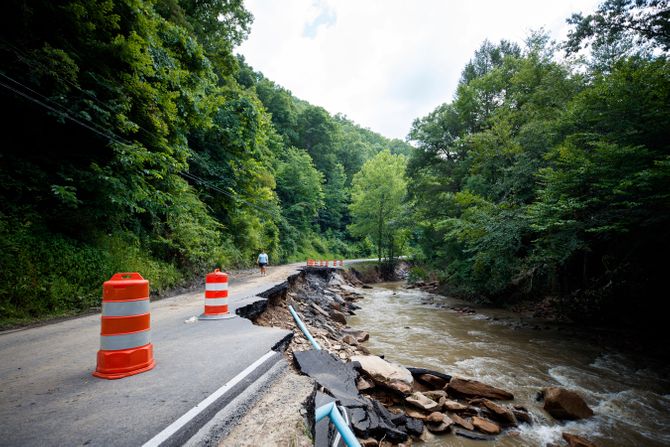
<point x="384" y="63"/>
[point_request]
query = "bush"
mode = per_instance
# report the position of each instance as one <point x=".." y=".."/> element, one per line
<point x="44" y="274"/>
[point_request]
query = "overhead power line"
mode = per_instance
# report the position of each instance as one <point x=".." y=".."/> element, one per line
<point x="67" y="113"/>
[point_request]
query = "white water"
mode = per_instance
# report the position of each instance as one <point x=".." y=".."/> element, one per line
<point x="629" y="396"/>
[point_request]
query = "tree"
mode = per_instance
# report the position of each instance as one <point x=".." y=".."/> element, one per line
<point x="299" y="187"/>
<point x="377" y="199"/>
<point x="643" y="23"/>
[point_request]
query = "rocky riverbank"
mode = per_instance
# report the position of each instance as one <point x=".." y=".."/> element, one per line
<point x="389" y="404"/>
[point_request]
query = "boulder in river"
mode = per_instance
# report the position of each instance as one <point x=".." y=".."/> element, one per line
<point x="360" y="336"/>
<point x="419" y="400"/>
<point x="485" y="426"/>
<point x="382" y="371"/>
<point x="565" y="404"/>
<point x="472" y="388"/>
<point x="433" y="379"/>
<point x="499" y="412"/>
<point x="577" y="441"/>
<point x="522" y="414"/>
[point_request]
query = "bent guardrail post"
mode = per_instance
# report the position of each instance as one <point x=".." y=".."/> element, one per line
<point x="330" y="409"/>
<point x="303" y="328"/>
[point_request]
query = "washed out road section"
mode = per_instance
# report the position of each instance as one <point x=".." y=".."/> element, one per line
<point x="48" y="396"/>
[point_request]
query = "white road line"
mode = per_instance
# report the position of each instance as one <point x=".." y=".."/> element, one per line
<point x="195" y="411"/>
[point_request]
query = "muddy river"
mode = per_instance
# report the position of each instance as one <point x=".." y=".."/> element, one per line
<point x="630" y="394"/>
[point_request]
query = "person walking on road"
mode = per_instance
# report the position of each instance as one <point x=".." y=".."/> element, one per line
<point x="262" y="262"/>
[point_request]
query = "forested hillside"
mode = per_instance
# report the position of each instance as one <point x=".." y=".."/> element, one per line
<point x="135" y="140"/>
<point x="548" y="174"/>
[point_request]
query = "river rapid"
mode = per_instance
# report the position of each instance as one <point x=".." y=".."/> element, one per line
<point x="628" y="392"/>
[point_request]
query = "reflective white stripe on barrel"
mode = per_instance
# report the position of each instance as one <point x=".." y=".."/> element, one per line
<point x="216" y="301"/>
<point x="125" y="341"/>
<point x="125" y="308"/>
<point x="216" y="286"/>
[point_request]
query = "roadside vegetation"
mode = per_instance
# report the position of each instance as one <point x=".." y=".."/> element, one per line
<point x="548" y="174"/>
<point x="138" y="140"/>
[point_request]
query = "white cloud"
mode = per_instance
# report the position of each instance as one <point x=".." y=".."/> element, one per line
<point x="384" y="63"/>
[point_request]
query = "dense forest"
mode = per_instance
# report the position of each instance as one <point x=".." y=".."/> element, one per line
<point x="136" y="140"/>
<point x="548" y="174"/>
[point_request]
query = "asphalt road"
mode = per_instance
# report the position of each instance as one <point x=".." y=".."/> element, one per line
<point x="48" y="396"/>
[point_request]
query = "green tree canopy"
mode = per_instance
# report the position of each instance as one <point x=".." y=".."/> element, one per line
<point x="377" y="197"/>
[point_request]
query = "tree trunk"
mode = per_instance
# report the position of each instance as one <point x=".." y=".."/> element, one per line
<point x="380" y="232"/>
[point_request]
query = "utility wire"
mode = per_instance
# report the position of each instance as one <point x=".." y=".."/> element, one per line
<point x="60" y="113"/>
<point x="68" y="114"/>
<point x="37" y="64"/>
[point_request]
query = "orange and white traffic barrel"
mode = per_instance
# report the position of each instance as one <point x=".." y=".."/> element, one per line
<point x="341" y="263"/>
<point x="216" y="297"/>
<point x="125" y="335"/>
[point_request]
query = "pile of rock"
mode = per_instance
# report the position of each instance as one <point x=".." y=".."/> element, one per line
<point x="444" y="404"/>
<point x="322" y="298"/>
<point x="430" y="287"/>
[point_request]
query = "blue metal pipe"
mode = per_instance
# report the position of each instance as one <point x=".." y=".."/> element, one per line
<point x="303" y="328"/>
<point x="336" y="418"/>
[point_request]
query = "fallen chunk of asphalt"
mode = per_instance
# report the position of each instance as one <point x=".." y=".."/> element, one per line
<point x="338" y="378"/>
<point x="369" y="418"/>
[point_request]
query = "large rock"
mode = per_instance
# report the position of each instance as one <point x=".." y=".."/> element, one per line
<point x="499" y="412"/>
<point x="338" y="316"/>
<point x="399" y="386"/>
<point x="452" y="405"/>
<point x="416" y="414"/>
<point x="485" y="426"/>
<point x="522" y="414"/>
<point x="565" y="404"/>
<point x="434" y="379"/>
<point x="435" y="417"/>
<point x="360" y="336"/>
<point x="436" y="382"/>
<point x="382" y="371"/>
<point x="462" y="422"/>
<point x="419" y="400"/>
<point x="350" y="340"/>
<point x="473" y="388"/>
<point x="435" y="395"/>
<point x="440" y="422"/>
<point x="577" y="441"/>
